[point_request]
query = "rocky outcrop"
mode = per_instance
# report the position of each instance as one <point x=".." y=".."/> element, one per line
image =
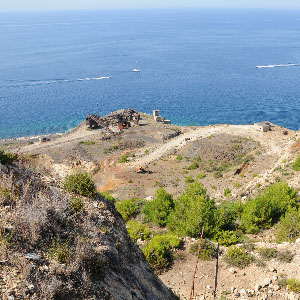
<point x="52" y="250"/>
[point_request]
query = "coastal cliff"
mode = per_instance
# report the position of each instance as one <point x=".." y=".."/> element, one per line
<point x="52" y="247"/>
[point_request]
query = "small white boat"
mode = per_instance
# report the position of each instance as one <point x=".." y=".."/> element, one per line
<point x="136" y="69"/>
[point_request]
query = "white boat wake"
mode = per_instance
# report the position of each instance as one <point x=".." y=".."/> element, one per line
<point x="276" y="66"/>
<point x="43" y="82"/>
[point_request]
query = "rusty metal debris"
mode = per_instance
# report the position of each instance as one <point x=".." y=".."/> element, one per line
<point x="140" y="169"/>
<point x="115" y="121"/>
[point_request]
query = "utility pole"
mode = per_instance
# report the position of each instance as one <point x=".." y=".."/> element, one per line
<point x="98" y="111"/>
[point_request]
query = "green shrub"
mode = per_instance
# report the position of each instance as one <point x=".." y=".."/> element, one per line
<point x="5" y="240"/>
<point x="285" y="256"/>
<point x="237" y="185"/>
<point x="293" y="285"/>
<point x="158" y="250"/>
<point x="5" y="196"/>
<point x="179" y="157"/>
<point x="189" y="179"/>
<point x="193" y="210"/>
<point x="137" y="230"/>
<point x="76" y="205"/>
<point x="208" y="250"/>
<point x="7" y="158"/>
<point x="81" y="184"/>
<point x="159" y="209"/>
<point x="282" y="282"/>
<point x="227" y="192"/>
<point x="222" y="297"/>
<point x="197" y="159"/>
<point x="249" y="246"/>
<point x="193" y="166"/>
<point x="227" y="238"/>
<point x="123" y="159"/>
<point x="129" y="208"/>
<point x="288" y="229"/>
<point x="223" y="167"/>
<point x="226" y="215"/>
<point x="259" y="262"/>
<point x="201" y="175"/>
<point x="61" y="252"/>
<point x="218" y="174"/>
<point x="108" y="196"/>
<point x="87" y="143"/>
<point x="267" y="253"/>
<point x="266" y="209"/>
<point x="296" y="164"/>
<point x="238" y="257"/>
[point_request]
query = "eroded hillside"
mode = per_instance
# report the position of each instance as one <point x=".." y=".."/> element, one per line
<point x="57" y="245"/>
<point x="239" y="183"/>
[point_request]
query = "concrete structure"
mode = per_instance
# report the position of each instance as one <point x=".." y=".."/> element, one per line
<point x="263" y="126"/>
<point x="155" y="113"/>
<point x="158" y="118"/>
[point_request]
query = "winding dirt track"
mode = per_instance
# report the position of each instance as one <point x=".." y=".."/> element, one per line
<point x="271" y="145"/>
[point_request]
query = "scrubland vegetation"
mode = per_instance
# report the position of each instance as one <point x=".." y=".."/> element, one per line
<point x="63" y="241"/>
<point x="6" y="157"/>
<point x="226" y="223"/>
<point x="81" y="184"/>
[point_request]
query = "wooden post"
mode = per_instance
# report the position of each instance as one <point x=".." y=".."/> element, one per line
<point x="196" y="267"/>
<point x="217" y="271"/>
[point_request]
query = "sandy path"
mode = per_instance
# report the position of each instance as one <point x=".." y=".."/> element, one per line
<point x="284" y="155"/>
<point x="65" y="138"/>
<point x="203" y="132"/>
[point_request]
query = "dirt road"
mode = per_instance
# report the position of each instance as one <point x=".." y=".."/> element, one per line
<point x="272" y="145"/>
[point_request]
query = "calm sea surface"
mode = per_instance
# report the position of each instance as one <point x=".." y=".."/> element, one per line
<point x="197" y="67"/>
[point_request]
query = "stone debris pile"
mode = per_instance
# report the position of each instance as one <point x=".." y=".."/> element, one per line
<point x="115" y="121"/>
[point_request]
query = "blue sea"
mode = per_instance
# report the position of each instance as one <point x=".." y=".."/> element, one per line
<point x="198" y="67"/>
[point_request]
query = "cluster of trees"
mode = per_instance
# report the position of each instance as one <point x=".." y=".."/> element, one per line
<point x="194" y="209"/>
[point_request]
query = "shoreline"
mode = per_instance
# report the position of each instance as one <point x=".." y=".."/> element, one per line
<point x="37" y="137"/>
<point x="81" y="123"/>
